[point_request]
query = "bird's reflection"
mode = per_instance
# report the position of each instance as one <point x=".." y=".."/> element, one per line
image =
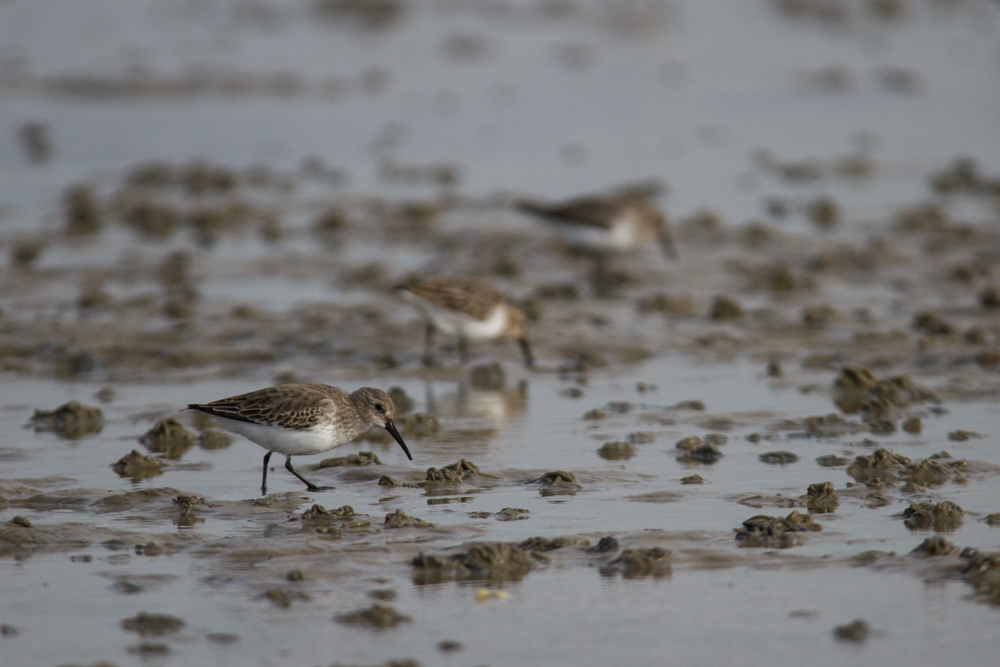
<point x="498" y="406"/>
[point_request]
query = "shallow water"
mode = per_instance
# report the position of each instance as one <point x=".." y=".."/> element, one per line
<point x="416" y="132"/>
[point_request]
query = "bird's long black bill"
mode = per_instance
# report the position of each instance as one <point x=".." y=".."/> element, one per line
<point x="391" y="428"/>
<point x="529" y="359"/>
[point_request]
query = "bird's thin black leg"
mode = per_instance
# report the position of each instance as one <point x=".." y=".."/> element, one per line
<point x="463" y="348"/>
<point x="429" y="345"/>
<point x="263" y="481"/>
<point x="309" y="485"/>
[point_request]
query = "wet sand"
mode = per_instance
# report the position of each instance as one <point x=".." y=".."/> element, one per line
<point x="779" y="447"/>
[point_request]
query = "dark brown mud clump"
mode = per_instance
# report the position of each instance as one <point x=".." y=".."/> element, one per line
<point x="880" y="402"/>
<point x="821" y="498"/>
<point x="152" y="625"/>
<point x="496" y="561"/>
<point x="636" y="563"/>
<point x="855" y="631"/>
<point x="138" y="466"/>
<point x="775" y="532"/>
<point x="549" y="544"/>
<point x="935" y="545"/>
<point x="617" y="450"/>
<point x="454" y="472"/>
<point x="400" y="519"/>
<point x="70" y="420"/>
<point x="558" y="483"/>
<point x="377" y="616"/>
<point x="778" y="458"/>
<point x="694" y="449"/>
<point x="942" y="517"/>
<point x="983" y="573"/>
<point x="359" y="459"/>
<point x="877" y="468"/>
<point x="169" y="437"/>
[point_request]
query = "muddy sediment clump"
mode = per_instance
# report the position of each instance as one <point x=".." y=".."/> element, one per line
<point x="982" y="572"/>
<point x="880" y="402"/>
<point x="616" y="450"/>
<point x="359" y="459"/>
<point x="168" y="437"/>
<point x="637" y="563"/>
<point x="138" y="466"/>
<point x="453" y="472"/>
<point x="695" y="450"/>
<point x="558" y="483"/>
<point x="935" y="545"/>
<point x="942" y="517"/>
<point x="399" y="519"/>
<point x="70" y="420"/>
<point x="775" y="532"/>
<point x="495" y="561"/>
<point x="378" y="616"/>
<point x="822" y="498"/>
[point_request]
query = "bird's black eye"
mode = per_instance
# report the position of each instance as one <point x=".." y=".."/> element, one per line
<point x="379" y="407"/>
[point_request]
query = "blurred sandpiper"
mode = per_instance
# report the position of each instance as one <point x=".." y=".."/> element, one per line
<point x="470" y="308"/>
<point x="603" y="223"/>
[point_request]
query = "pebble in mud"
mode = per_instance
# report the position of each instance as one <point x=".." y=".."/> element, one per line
<point x="943" y="517"/>
<point x="168" y="437"/>
<point x="558" y="483"/>
<point x="282" y="598"/>
<point x="70" y="420"/>
<point x="497" y="561"/>
<point x="399" y="519"/>
<point x="775" y="532"/>
<point x="936" y="545"/>
<point x="636" y="563"/>
<point x="822" y="497"/>
<point x="692" y="479"/>
<point x="512" y="514"/>
<point x="138" y="466"/>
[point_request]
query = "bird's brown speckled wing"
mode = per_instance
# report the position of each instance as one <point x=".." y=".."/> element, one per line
<point x="473" y="296"/>
<point x="294" y="406"/>
<point x="591" y="211"/>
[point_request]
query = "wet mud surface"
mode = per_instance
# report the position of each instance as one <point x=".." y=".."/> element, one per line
<point x="784" y="441"/>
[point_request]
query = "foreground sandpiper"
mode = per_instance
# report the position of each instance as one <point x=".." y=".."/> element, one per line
<point x="470" y="308"/>
<point x="602" y="223"/>
<point x="300" y="419"/>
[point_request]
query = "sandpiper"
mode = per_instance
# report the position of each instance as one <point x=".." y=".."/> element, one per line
<point x="470" y="308"/>
<point x="299" y="419"/>
<point x="602" y="223"/>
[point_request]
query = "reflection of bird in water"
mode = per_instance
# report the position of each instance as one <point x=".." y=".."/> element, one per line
<point x="299" y="419"/>
<point x="499" y="406"/>
<point x="470" y="308"/>
<point x="606" y="223"/>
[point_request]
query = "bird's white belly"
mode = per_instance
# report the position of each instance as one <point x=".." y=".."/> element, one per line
<point x="460" y="324"/>
<point x="290" y="442"/>
<point x="621" y="235"/>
